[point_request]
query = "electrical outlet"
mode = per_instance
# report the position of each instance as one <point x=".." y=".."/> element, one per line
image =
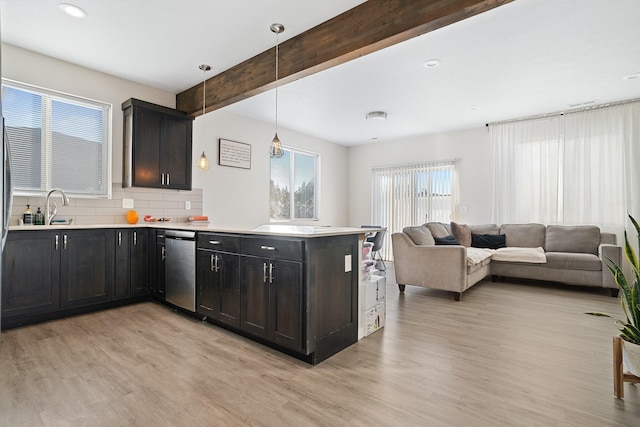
<point x="127" y="203"/>
<point x="187" y="205"/>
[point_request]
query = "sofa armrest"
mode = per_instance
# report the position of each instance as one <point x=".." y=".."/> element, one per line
<point x="608" y="252"/>
<point x="438" y="267"/>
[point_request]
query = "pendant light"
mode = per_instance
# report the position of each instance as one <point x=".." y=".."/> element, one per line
<point x="203" y="162"/>
<point x="276" y="146"/>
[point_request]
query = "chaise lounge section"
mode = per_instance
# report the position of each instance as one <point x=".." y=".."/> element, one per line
<point x="454" y="257"/>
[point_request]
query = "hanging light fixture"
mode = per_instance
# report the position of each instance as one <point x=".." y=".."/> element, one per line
<point x="203" y="162"/>
<point x="276" y="146"/>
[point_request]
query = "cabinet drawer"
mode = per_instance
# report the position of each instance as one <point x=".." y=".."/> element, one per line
<point x="219" y="242"/>
<point x="273" y="248"/>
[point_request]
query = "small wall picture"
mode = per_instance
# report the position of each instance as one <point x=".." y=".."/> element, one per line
<point x="234" y="154"/>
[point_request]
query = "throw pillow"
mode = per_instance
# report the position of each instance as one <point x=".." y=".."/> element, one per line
<point x="449" y="240"/>
<point x="420" y="235"/>
<point x="489" y="241"/>
<point x="462" y="232"/>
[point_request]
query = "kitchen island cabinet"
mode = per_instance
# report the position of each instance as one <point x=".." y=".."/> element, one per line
<point x="272" y="291"/>
<point x="157" y="146"/>
<point x="218" y="277"/>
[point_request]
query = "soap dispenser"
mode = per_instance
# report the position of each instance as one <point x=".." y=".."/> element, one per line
<point x="27" y="216"/>
<point x="39" y="217"/>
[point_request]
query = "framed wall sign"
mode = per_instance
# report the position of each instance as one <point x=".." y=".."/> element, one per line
<point x="234" y="154"/>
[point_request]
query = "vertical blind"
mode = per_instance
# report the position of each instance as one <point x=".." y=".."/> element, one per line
<point x="57" y="141"/>
<point x="412" y="195"/>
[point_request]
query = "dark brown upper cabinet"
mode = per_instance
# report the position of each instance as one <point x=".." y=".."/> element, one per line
<point x="157" y="146"/>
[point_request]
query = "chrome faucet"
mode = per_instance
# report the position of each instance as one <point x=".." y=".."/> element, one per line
<point x="65" y="201"/>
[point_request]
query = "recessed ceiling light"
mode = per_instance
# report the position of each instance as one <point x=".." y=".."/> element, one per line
<point x="72" y="10"/>
<point x="378" y="116"/>
<point x="632" y="76"/>
<point x="432" y="63"/>
<point x="475" y="107"/>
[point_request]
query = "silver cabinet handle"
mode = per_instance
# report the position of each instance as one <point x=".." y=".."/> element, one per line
<point x="162" y="178"/>
<point x="57" y="241"/>
<point x="168" y="179"/>
<point x="214" y="242"/>
<point x="217" y="268"/>
<point x="213" y="266"/>
<point x="119" y="238"/>
<point x="268" y="248"/>
<point x="264" y="272"/>
<point x="270" y="273"/>
<point x="163" y="253"/>
<point x="64" y="242"/>
<point x="135" y="238"/>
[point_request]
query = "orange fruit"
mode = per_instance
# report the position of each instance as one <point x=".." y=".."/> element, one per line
<point x="132" y="217"/>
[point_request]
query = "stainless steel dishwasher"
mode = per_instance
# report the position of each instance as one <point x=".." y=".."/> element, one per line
<point x="180" y="269"/>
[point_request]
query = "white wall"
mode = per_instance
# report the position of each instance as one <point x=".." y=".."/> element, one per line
<point x="470" y="146"/>
<point x="231" y="197"/>
<point x="240" y="197"/>
<point x="29" y="67"/>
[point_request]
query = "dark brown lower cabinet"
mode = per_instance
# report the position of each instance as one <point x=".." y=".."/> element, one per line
<point x="219" y="286"/>
<point x="31" y="273"/>
<point x="131" y="263"/>
<point x="271" y="296"/>
<point x="86" y="267"/>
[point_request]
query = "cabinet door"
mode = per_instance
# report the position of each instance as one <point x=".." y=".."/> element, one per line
<point x="159" y="271"/>
<point x="86" y="261"/>
<point x="147" y="135"/>
<point x="286" y="303"/>
<point x="30" y="273"/>
<point x="176" y="152"/>
<point x="254" y="296"/>
<point x="227" y="295"/>
<point x="205" y="281"/>
<point x="139" y="261"/>
<point x="122" y="284"/>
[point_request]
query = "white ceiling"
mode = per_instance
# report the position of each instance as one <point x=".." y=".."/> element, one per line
<point x="525" y="58"/>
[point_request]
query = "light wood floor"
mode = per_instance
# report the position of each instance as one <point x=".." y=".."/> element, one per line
<point x="508" y="354"/>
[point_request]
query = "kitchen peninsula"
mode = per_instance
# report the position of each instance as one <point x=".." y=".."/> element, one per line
<point x="293" y="288"/>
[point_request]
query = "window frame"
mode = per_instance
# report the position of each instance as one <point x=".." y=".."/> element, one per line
<point x="316" y="187"/>
<point x="49" y="96"/>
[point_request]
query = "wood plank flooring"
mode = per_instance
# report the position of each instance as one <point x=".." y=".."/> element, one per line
<point x="507" y="354"/>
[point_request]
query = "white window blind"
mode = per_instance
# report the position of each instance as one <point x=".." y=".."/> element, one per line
<point x="57" y="141"/>
<point x="412" y="195"/>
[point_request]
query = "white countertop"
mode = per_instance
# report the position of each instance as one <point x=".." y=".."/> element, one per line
<point x="266" y="229"/>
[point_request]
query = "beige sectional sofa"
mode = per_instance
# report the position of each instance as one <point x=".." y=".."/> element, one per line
<point x="570" y="254"/>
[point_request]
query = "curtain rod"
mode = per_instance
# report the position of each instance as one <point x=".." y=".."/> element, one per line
<point x="562" y="113"/>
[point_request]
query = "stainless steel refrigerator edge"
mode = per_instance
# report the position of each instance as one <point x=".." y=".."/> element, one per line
<point x="180" y="269"/>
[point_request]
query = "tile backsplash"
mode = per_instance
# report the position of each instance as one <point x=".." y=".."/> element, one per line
<point x="156" y="202"/>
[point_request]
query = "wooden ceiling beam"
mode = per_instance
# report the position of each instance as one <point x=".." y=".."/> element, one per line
<point x="367" y="28"/>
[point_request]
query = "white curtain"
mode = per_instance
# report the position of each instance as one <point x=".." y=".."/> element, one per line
<point x="576" y="168"/>
<point x="412" y="195"/>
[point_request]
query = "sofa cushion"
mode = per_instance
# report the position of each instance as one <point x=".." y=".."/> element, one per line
<point x="485" y="229"/>
<point x="420" y="235"/>
<point x="448" y="240"/>
<point x="490" y="241"/>
<point x="573" y="261"/>
<point x="439" y="229"/>
<point x="462" y="233"/>
<point x="524" y="235"/>
<point x="574" y="238"/>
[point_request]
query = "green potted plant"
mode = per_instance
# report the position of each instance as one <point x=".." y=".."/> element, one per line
<point x="630" y="301"/>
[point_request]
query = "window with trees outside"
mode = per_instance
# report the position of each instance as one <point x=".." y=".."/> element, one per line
<point x="294" y="186"/>
<point x="57" y="141"/>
